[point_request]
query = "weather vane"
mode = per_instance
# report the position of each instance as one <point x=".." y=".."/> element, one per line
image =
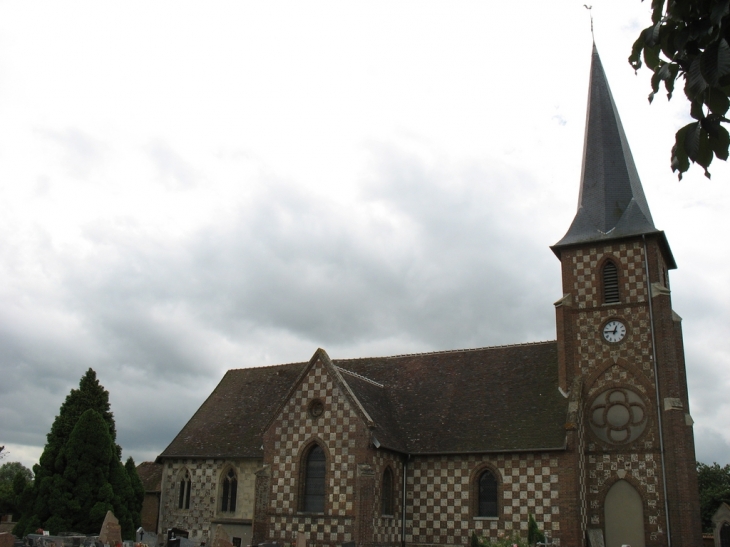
<point x="589" y="8"/>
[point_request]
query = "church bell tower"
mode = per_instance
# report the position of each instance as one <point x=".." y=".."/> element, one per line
<point x="620" y="346"/>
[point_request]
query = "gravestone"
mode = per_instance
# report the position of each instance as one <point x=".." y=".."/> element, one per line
<point x="221" y="538"/>
<point x="149" y="539"/>
<point x="595" y="537"/>
<point x="111" y="532"/>
<point x="6" y="539"/>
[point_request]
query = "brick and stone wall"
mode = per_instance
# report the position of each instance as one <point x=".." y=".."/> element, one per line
<point x="205" y="493"/>
<point x="150" y="511"/>
<point x="627" y="371"/>
<point x="442" y="497"/>
<point x="345" y="439"/>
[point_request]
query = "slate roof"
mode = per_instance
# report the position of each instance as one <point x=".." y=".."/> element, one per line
<point x="482" y="400"/>
<point x="611" y="204"/>
<point x="229" y="423"/>
<point x="150" y="473"/>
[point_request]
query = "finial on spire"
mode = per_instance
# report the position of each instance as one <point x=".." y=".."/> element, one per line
<point x="589" y="8"/>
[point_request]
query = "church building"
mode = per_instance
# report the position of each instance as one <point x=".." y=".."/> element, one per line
<point x="589" y="434"/>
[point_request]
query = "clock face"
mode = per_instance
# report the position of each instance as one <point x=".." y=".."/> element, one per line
<point x="614" y="331"/>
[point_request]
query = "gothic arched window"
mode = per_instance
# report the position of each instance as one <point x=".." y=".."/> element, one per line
<point x="314" y="475"/>
<point x="386" y="495"/>
<point x="487" y="495"/>
<point x="183" y="501"/>
<point x="610" y="283"/>
<point x="229" y="489"/>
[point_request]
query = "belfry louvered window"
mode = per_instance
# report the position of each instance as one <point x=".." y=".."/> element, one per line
<point x="610" y="283"/>
<point x="183" y="501"/>
<point x="229" y="488"/>
<point x="488" y="506"/>
<point x="314" y="481"/>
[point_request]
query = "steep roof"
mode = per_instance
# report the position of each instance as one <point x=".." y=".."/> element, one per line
<point x="482" y="400"/>
<point x="611" y="203"/>
<point x="488" y="399"/>
<point x="150" y="474"/>
<point x="230" y="422"/>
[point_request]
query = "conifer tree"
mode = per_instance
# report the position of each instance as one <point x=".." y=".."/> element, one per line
<point x="80" y="475"/>
<point x="135" y="503"/>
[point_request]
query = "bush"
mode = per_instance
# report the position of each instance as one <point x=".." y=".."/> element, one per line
<point x="506" y="541"/>
<point x="534" y="535"/>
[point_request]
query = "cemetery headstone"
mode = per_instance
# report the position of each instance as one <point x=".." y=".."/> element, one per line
<point x="221" y="538"/>
<point x="595" y="537"/>
<point x="6" y="539"/>
<point x="111" y="531"/>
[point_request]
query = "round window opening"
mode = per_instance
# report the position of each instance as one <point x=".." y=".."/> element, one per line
<point x="316" y="408"/>
<point x="618" y="415"/>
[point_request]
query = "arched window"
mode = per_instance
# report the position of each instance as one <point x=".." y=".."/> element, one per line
<point x="229" y="488"/>
<point x="487" y="495"/>
<point x="610" y="283"/>
<point x="315" y="465"/>
<point x="386" y="495"/>
<point x="725" y="535"/>
<point x="183" y="501"/>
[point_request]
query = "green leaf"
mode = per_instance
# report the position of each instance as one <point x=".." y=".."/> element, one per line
<point x="720" y="142"/>
<point x="696" y="110"/>
<point x="652" y="36"/>
<point x="715" y="61"/>
<point x="680" y="159"/>
<point x="651" y="56"/>
<point x="667" y="42"/>
<point x="695" y="84"/>
<point x="655" y="81"/>
<point x="672" y="68"/>
<point x="657" y="9"/>
<point x="720" y="10"/>
<point x="635" y="57"/>
<point x="717" y="101"/>
<point x="692" y="140"/>
<point x="697" y="145"/>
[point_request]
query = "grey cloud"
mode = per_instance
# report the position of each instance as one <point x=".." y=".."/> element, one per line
<point x="458" y="259"/>
<point x="81" y="152"/>
<point x="173" y="170"/>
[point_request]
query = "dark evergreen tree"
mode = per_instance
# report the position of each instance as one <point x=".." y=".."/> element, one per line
<point x="80" y="475"/>
<point x="135" y="503"/>
<point x="84" y="495"/>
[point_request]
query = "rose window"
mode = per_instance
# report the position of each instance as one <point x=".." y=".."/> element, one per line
<point x="618" y="416"/>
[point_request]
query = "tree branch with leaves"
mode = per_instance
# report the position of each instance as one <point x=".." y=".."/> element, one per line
<point x="689" y="39"/>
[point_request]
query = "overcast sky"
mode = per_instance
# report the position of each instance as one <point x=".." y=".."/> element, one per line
<point x="189" y="187"/>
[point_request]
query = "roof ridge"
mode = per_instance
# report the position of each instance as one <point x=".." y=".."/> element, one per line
<point x="399" y="355"/>
<point x="443" y="351"/>
<point x="268" y="366"/>
<point x="359" y="376"/>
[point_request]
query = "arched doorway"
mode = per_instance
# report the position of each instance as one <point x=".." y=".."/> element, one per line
<point x="624" y="516"/>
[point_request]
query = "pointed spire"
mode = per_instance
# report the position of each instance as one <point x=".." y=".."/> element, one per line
<point x="611" y="203"/>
